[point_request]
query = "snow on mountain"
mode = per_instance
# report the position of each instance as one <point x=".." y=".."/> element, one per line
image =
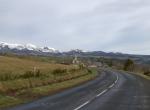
<point x="30" y="47"/>
<point x="47" y="49"/>
<point x="11" y="46"/>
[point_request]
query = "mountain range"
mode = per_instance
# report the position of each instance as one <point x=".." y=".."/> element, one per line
<point x="30" y="49"/>
<point x="25" y="49"/>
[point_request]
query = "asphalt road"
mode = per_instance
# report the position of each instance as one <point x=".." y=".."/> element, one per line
<point x="110" y="91"/>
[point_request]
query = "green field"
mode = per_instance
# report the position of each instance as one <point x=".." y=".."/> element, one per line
<point x="25" y="79"/>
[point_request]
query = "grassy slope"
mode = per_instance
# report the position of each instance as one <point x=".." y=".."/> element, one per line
<point x="16" y="91"/>
<point x="34" y="93"/>
<point x="16" y="65"/>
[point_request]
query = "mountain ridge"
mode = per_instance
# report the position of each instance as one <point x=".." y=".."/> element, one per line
<point x="30" y="49"/>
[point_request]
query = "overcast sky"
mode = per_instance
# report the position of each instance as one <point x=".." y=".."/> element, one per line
<point x="106" y="25"/>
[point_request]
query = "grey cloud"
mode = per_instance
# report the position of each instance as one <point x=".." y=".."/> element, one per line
<point x="65" y="24"/>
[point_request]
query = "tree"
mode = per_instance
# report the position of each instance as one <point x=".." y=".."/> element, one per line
<point x="110" y="63"/>
<point x="129" y="65"/>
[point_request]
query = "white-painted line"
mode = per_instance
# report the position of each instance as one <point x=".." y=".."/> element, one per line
<point x="82" y="105"/>
<point x="102" y="93"/>
<point x="111" y="85"/>
<point x="116" y="79"/>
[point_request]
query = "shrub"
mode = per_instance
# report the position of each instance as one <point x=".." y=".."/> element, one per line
<point x="129" y="65"/>
<point x="29" y="74"/>
<point x="5" y="76"/>
<point x="59" y="71"/>
<point x="147" y="73"/>
<point x="38" y="73"/>
<point x="89" y="71"/>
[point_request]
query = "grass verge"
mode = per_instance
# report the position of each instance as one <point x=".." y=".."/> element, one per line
<point x="142" y="75"/>
<point x="139" y="74"/>
<point x="27" y="95"/>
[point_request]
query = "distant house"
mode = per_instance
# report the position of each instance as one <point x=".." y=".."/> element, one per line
<point x="92" y="66"/>
<point x="76" y="61"/>
<point x="95" y="64"/>
<point x="98" y="64"/>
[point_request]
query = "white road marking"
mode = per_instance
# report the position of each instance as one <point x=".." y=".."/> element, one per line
<point x="112" y="85"/>
<point x="102" y="92"/>
<point x="82" y="105"/>
<point x="117" y="78"/>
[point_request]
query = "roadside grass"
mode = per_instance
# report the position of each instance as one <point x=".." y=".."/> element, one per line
<point x="57" y="87"/>
<point x="136" y="73"/>
<point x="140" y="74"/>
<point x="27" y="95"/>
<point x="23" y="80"/>
<point x="6" y="101"/>
<point x="147" y="77"/>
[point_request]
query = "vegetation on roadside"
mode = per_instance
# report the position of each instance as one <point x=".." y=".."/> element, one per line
<point x="128" y="64"/>
<point x="23" y="80"/>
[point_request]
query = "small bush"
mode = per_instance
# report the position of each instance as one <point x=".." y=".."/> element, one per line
<point x="6" y="76"/>
<point x="89" y="71"/>
<point x="38" y="73"/>
<point x="29" y="74"/>
<point x="129" y="65"/>
<point x="147" y="73"/>
<point x="59" y="71"/>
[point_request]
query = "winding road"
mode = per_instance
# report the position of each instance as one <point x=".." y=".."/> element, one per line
<point x="111" y="90"/>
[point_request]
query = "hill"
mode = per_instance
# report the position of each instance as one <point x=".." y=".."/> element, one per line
<point x="27" y="78"/>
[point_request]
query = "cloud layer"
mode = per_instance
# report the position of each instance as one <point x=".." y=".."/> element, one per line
<point x="110" y="25"/>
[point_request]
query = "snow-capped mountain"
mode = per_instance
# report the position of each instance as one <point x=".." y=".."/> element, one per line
<point x="30" y="49"/>
<point x="27" y="47"/>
